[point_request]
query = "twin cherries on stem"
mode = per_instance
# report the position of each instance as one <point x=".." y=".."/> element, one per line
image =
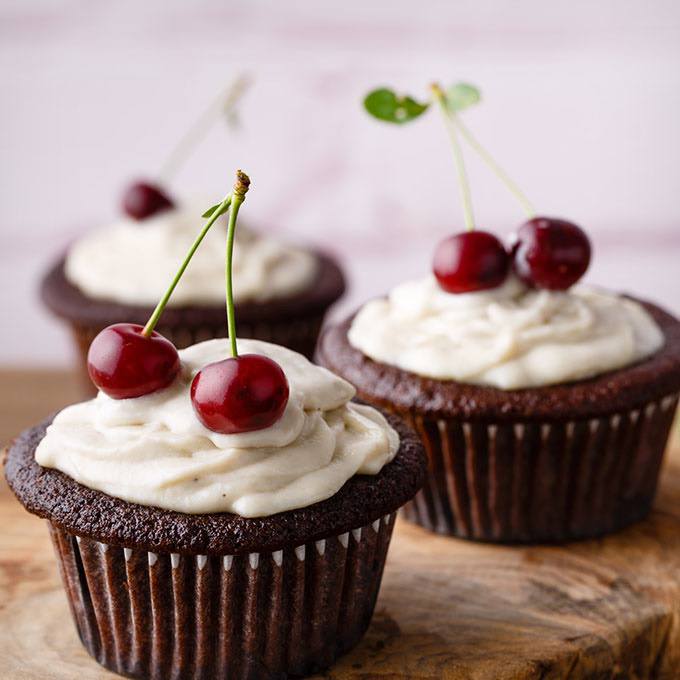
<point x="547" y="253"/>
<point x="239" y="394"/>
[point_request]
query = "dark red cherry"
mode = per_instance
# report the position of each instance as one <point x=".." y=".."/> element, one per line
<point x="551" y="253"/>
<point x="142" y="200"/>
<point x="469" y="261"/>
<point x="124" y="363"/>
<point x="240" y="394"/>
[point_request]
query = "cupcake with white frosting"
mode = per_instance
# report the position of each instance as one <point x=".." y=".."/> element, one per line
<point x="117" y="272"/>
<point x="219" y="511"/>
<point x="189" y="552"/>
<point x="544" y="406"/>
<point x="544" y="414"/>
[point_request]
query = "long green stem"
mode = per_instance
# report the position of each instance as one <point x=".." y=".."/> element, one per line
<point x="153" y="320"/>
<point x="238" y="196"/>
<point x="495" y="168"/>
<point x="463" y="182"/>
<point x="224" y="104"/>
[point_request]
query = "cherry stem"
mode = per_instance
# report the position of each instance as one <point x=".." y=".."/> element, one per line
<point x="224" y="104"/>
<point x="153" y="319"/>
<point x="510" y="184"/>
<point x="238" y="196"/>
<point x="463" y="182"/>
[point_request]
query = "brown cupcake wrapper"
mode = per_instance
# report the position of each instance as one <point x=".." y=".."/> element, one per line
<point x="258" y="615"/>
<point x="540" y="481"/>
<point x="299" y="335"/>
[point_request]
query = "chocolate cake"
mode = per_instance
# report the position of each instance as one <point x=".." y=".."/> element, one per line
<point x="158" y="594"/>
<point x="543" y="464"/>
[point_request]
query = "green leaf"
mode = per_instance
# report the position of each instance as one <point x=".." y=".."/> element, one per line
<point x="209" y="212"/>
<point x="461" y="96"/>
<point x="385" y="105"/>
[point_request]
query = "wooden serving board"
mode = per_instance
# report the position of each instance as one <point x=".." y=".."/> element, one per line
<point x="447" y="609"/>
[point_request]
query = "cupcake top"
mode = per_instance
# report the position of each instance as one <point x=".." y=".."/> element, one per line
<point x="153" y="450"/>
<point x="131" y="262"/>
<point x="509" y="337"/>
<point x="497" y="314"/>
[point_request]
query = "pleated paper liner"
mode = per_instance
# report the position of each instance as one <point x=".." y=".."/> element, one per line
<point x="298" y="334"/>
<point x="540" y="481"/>
<point x="167" y="616"/>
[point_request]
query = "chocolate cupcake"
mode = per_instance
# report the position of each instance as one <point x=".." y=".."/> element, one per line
<point x="186" y="552"/>
<point x="544" y="408"/>
<point x="119" y="272"/>
<point x="544" y="414"/>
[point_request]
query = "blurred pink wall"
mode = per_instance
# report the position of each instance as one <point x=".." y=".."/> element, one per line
<point x="581" y="103"/>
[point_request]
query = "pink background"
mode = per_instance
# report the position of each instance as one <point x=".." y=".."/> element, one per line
<point x="581" y="103"/>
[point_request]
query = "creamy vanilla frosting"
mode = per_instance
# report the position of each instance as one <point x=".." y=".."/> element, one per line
<point x="133" y="262"/>
<point x="153" y="450"/>
<point x="509" y="337"/>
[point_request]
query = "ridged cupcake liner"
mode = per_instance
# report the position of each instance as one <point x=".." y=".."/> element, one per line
<point x="167" y="616"/>
<point x="298" y="334"/>
<point x="535" y="482"/>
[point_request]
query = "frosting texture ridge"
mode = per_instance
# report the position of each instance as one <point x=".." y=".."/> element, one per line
<point x="510" y="337"/>
<point x="153" y="450"/>
<point x="133" y="262"/>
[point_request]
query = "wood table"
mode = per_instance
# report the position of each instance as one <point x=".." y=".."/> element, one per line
<point x="448" y="608"/>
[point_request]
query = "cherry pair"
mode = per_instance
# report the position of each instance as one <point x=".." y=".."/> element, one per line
<point x="547" y="253"/>
<point x="239" y="394"/>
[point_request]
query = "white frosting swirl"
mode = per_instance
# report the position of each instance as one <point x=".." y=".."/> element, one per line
<point x="510" y="337"/>
<point x="133" y="262"/>
<point x="153" y="450"/>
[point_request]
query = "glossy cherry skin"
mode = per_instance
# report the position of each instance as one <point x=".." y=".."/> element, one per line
<point x="470" y="261"/>
<point x="124" y="363"/>
<point x="240" y="394"/>
<point x="551" y="253"/>
<point x="143" y="199"/>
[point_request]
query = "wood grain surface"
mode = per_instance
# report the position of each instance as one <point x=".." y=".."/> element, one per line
<point x="448" y="609"/>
